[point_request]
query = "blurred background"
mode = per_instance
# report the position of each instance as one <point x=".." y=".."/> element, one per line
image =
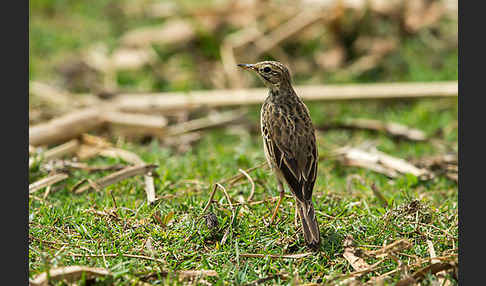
<point x="84" y="54"/>
<point x="125" y="46"/>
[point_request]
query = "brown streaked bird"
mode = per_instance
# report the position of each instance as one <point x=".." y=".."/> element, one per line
<point x="289" y="143"/>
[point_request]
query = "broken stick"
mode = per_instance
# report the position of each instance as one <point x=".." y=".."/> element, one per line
<point x="136" y="160"/>
<point x="66" y="127"/>
<point x="118" y="176"/>
<point x="394" y="129"/>
<point x="378" y="162"/>
<point x="148" y="102"/>
<point x="57" y="152"/>
<point x="47" y="182"/>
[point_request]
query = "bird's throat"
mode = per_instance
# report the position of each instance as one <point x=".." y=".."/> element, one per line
<point x="281" y="91"/>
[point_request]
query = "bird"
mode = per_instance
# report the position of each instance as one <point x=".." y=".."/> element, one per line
<point x="289" y="143"/>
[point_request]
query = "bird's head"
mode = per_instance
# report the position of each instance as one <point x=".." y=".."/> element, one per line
<point x="273" y="74"/>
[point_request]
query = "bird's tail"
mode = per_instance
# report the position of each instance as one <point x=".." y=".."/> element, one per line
<point x="309" y="223"/>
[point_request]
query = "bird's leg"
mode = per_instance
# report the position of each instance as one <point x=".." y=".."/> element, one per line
<point x="296" y="215"/>
<point x="282" y="193"/>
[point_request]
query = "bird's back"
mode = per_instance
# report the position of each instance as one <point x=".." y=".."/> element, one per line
<point x="289" y="140"/>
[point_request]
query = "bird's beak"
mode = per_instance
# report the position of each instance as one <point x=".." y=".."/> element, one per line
<point x="247" y="66"/>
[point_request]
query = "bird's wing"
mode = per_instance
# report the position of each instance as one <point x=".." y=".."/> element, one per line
<point x="291" y="143"/>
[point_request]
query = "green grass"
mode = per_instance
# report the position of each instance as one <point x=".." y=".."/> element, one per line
<point x="63" y="218"/>
<point x="64" y="223"/>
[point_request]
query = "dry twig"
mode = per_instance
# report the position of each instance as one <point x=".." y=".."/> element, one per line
<point x="136" y="124"/>
<point x="290" y="256"/>
<point x="231" y="181"/>
<point x="118" y="176"/>
<point x="396" y="246"/>
<point x="394" y="129"/>
<point x="211" y="196"/>
<point x="250" y="197"/>
<point x="268" y="278"/>
<point x="66" y="127"/>
<point x="377" y="161"/>
<point x="420" y="274"/>
<point x="62" y="165"/>
<point x="237" y="97"/>
<point x="171" y="32"/>
<point x="72" y="125"/>
<point x="379" y="195"/>
<point x="183" y="274"/>
<point x="57" y="152"/>
<point x="133" y="158"/>
<point x="228" y="198"/>
<point x="47" y="181"/>
<point x="210" y="121"/>
<point x="68" y="273"/>
<point x="287" y="30"/>
<point x="441" y="274"/>
<point x="58" y="98"/>
<point x="118" y="255"/>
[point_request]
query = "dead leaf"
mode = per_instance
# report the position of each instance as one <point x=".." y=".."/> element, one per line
<point x="351" y="253"/>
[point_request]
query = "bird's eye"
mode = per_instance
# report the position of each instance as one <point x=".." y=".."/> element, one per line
<point x="267" y="69"/>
